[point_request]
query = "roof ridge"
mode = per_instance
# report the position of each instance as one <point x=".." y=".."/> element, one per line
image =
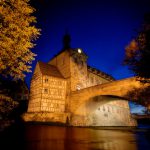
<point x="99" y="72"/>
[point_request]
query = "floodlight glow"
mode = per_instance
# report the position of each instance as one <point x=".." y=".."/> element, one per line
<point x="79" y="50"/>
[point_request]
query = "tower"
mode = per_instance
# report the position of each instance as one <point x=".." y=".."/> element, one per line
<point x="78" y="69"/>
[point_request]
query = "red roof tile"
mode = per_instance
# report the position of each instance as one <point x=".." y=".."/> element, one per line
<point x="49" y="70"/>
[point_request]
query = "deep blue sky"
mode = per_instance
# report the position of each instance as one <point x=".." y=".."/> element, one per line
<point x="102" y="28"/>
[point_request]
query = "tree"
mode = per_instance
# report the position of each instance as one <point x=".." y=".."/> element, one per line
<point x="138" y="52"/>
<point x="7" y="105"/>
<point x="17" y="34"/>
<point x="138" y="60"/>
<point x="13" y="98"/>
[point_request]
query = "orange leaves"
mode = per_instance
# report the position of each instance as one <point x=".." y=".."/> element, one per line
<point x="16" y="36"/>
<point x="138" y="52"/>
<point x="131" y="49"/>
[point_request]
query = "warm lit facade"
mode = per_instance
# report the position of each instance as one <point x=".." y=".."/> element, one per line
<point x="53" y="82"/>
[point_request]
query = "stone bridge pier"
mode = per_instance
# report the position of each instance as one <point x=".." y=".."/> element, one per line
<point x="84" y="102"/>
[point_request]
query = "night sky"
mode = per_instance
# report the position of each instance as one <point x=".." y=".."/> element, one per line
<point x="101" y="28"/>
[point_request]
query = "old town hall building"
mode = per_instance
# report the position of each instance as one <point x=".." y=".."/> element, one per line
<point x="68" y="72"/>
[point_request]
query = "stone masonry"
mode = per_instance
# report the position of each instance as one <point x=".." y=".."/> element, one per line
<point x="67" y="90"/>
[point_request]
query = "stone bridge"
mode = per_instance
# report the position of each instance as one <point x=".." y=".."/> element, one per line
<point x="119" y="88"/>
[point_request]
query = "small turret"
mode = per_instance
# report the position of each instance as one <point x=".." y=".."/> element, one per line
<point x="66" y="41"/>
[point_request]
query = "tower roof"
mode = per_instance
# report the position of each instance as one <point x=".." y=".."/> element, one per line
<point x="66" y="41"/>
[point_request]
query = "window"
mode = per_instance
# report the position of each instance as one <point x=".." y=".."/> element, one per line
<point x="59" y="92"/>
<point x="103" y="108"/>
<point x="81" y="64"/>
<point x="59" y="82"/>
<point x="75" y="60"/>
<point x="78" y="87"/>
<point x="108" y="109"/>
<point x="105" y="115"/>
<point x="46" y="80"/>
<point x="45" y="91"/>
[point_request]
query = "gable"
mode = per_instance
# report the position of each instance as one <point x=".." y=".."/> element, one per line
<point x="49" y="70"/>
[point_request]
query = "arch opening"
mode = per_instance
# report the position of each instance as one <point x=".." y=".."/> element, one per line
<point x="103" y="111"/>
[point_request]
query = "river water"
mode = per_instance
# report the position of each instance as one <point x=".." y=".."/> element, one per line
<point x="46" y="137"/>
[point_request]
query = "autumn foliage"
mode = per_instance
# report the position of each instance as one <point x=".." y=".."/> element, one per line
<point x="138" y="60"/>
<point x="17" y="33"/>
<point x="7" y="105"/>
<point x="138" y="52"/>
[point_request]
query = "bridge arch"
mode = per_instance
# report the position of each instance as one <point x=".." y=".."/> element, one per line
<point x="102" y="111"/>
<point x="96" y="101"/>
<point x="119" y="88"/>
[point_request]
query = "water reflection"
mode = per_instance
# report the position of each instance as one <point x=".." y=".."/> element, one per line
<point x="44" y="137"/>
<point x="61" y="138"/>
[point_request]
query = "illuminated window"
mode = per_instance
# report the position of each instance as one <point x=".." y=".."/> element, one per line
<point x="78" y="87"/>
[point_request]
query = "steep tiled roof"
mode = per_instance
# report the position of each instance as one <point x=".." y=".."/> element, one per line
<point x="49" y="70"/>
<point x="100" y="73"/>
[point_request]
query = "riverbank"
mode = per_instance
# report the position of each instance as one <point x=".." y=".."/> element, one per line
<point x="142" y="124"/>
<point x="6" y="124"/>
